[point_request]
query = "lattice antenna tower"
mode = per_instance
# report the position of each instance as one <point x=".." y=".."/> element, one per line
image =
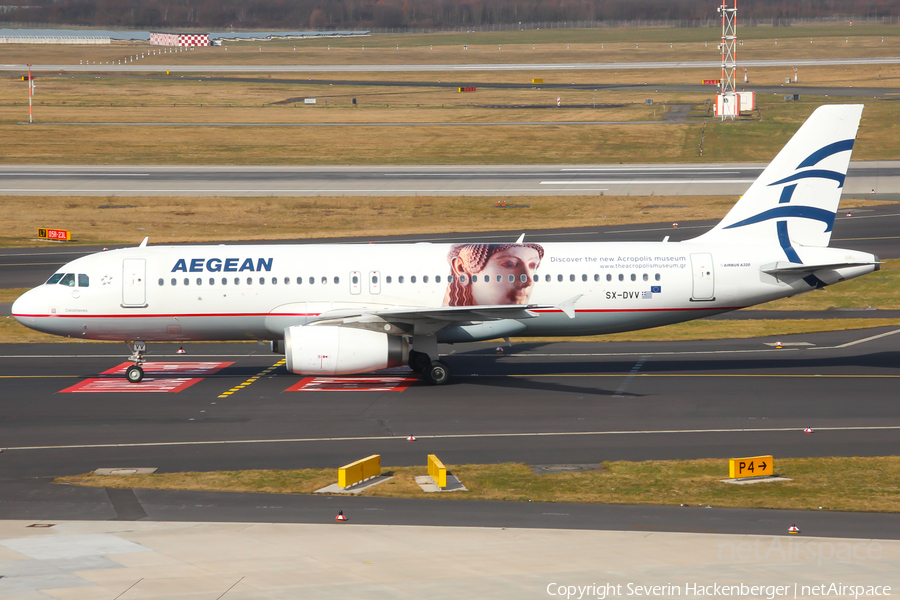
<point x="729" y="54"/>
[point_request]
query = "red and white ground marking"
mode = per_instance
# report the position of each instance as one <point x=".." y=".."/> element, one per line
<point x="179" y="368"/>
<point x="352" y="384"/>
<point x="106" y="384"/>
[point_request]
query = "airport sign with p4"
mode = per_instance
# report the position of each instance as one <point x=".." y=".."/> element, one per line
<point x="752" y="466"/>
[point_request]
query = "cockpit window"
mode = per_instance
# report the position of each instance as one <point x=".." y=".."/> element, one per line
<point x="83" y="280"/>
<point x="68" y="279"/>
<point x="55" y="278"/>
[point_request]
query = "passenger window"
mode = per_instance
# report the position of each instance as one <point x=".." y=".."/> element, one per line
<point x="571" y="277"/>
<point x="312" y="280"/>
<point x="237" y="281"/>
<point x="55" y="279"/>
<point x="324" y="280"/>
<point x="412" y="279"/>
<point x="374" y="279"/>
<point x="596" y="276"/>
<point x="388" y="279"/>
<point x="583" y="277"/>
<point x="512" y="278"/>
<point x="337" y="280"/>
<point x="536" y="278"/>
<point x="68" y="279"/>
<point x="249" y="281"/>
<point x="212" y="281"/>
<point x="474" y="278"/>
<point x="462" y="279"/>
<point x="355" y="279"/>
<point x="83" y="280"/>
<point x="174" y="281"/>
<point x="633" y="277"/>
<point x="425" y="279"/>
<point x="224" y="281"/>
<point x="287" y="280"/>
<point x="262" y="281"/>
<point x="187" y="281"/>
<point x="523" y="278"/>
<point x="646" y="277"/>
<point x="500" y="278"/>
<point x="450" y="278"/>
<point x="621" y="277"/>
<point x="199" y="281"/>
<point x="559" y="277"/>
<point x="437" y="278"/>
<point x="161" y="281"/>
<point x="299" y="280"/>
<point x="400" y="279"/>
<point x="609" y="277"/>
<point x="274" y="280"/>
<point x="547" y="278"/>
<point x="657" y="276"/>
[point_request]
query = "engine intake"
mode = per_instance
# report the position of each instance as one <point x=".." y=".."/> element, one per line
<point x="329" y="350"/>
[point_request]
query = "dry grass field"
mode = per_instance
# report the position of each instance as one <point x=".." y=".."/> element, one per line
<point x="830" y="484"/>
<point x="79" y="116"/>
<point x="127" y="220"/>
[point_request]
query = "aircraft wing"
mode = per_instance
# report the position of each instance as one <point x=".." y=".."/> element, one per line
<point x="448" y="314"/>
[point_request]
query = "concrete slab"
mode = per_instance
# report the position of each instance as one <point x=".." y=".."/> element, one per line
<point x="354" y="489"/>
<point x="58" y="547"/>
<point x="265" y="561"/>
<point x="429" y="485"/>
<point x="125" y="471"/>
<point x="753" y="480"/>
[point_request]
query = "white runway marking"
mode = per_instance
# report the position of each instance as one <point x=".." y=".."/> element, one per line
<point x="646" y="181"/>
<point x="402" y="438"/>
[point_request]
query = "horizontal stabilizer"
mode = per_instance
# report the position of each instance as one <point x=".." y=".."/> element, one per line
<point x="787" y="268"/>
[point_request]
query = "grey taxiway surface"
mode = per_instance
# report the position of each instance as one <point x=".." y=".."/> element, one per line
<point x="864" y="177"/>
<point x="534" y="403"/>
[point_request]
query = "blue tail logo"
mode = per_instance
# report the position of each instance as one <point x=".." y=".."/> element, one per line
<point x="785" y="209"/>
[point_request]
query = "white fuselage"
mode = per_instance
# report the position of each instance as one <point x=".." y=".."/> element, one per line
<point x="180" y="293"/>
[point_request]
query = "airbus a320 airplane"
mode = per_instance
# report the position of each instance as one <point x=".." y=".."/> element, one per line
<point x="342" y="309"/>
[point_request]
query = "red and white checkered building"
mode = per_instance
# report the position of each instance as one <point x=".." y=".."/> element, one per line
<point x="179" y="39"/>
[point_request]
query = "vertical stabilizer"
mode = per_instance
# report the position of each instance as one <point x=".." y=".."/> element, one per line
<point x="795" y="200"/>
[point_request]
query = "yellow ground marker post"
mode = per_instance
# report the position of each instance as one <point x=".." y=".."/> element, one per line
<point x="359" y="471"/>
<point x="751" y="466"/>
<point x="437" y="471"/>
<point x="252" y="379"/>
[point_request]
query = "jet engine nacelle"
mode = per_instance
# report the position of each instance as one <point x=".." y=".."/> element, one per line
<point x="330" y="350"/>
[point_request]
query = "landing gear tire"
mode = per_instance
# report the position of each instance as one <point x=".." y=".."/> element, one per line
<point x="134" y="374"/>
<point x="419" y="361"/>
<point x="438" y="373"/>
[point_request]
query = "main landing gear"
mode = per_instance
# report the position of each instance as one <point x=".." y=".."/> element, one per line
<point x="135" y="373"/>
<point x="435" y="372"/>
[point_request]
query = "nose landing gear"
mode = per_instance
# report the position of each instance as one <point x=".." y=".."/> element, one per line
<point x="135" y="373"/>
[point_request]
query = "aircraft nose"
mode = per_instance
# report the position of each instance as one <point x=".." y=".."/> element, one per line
<point x="24" y="305"/>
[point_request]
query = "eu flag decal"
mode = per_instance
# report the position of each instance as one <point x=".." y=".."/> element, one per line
<point x="655" y="289"/>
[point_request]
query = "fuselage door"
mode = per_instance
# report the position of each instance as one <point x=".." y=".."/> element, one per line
<point x="704" y="287"/>
<point x="134" y="279"/>
<point x="374" y="282"/>
<point x="355" y="282"/>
